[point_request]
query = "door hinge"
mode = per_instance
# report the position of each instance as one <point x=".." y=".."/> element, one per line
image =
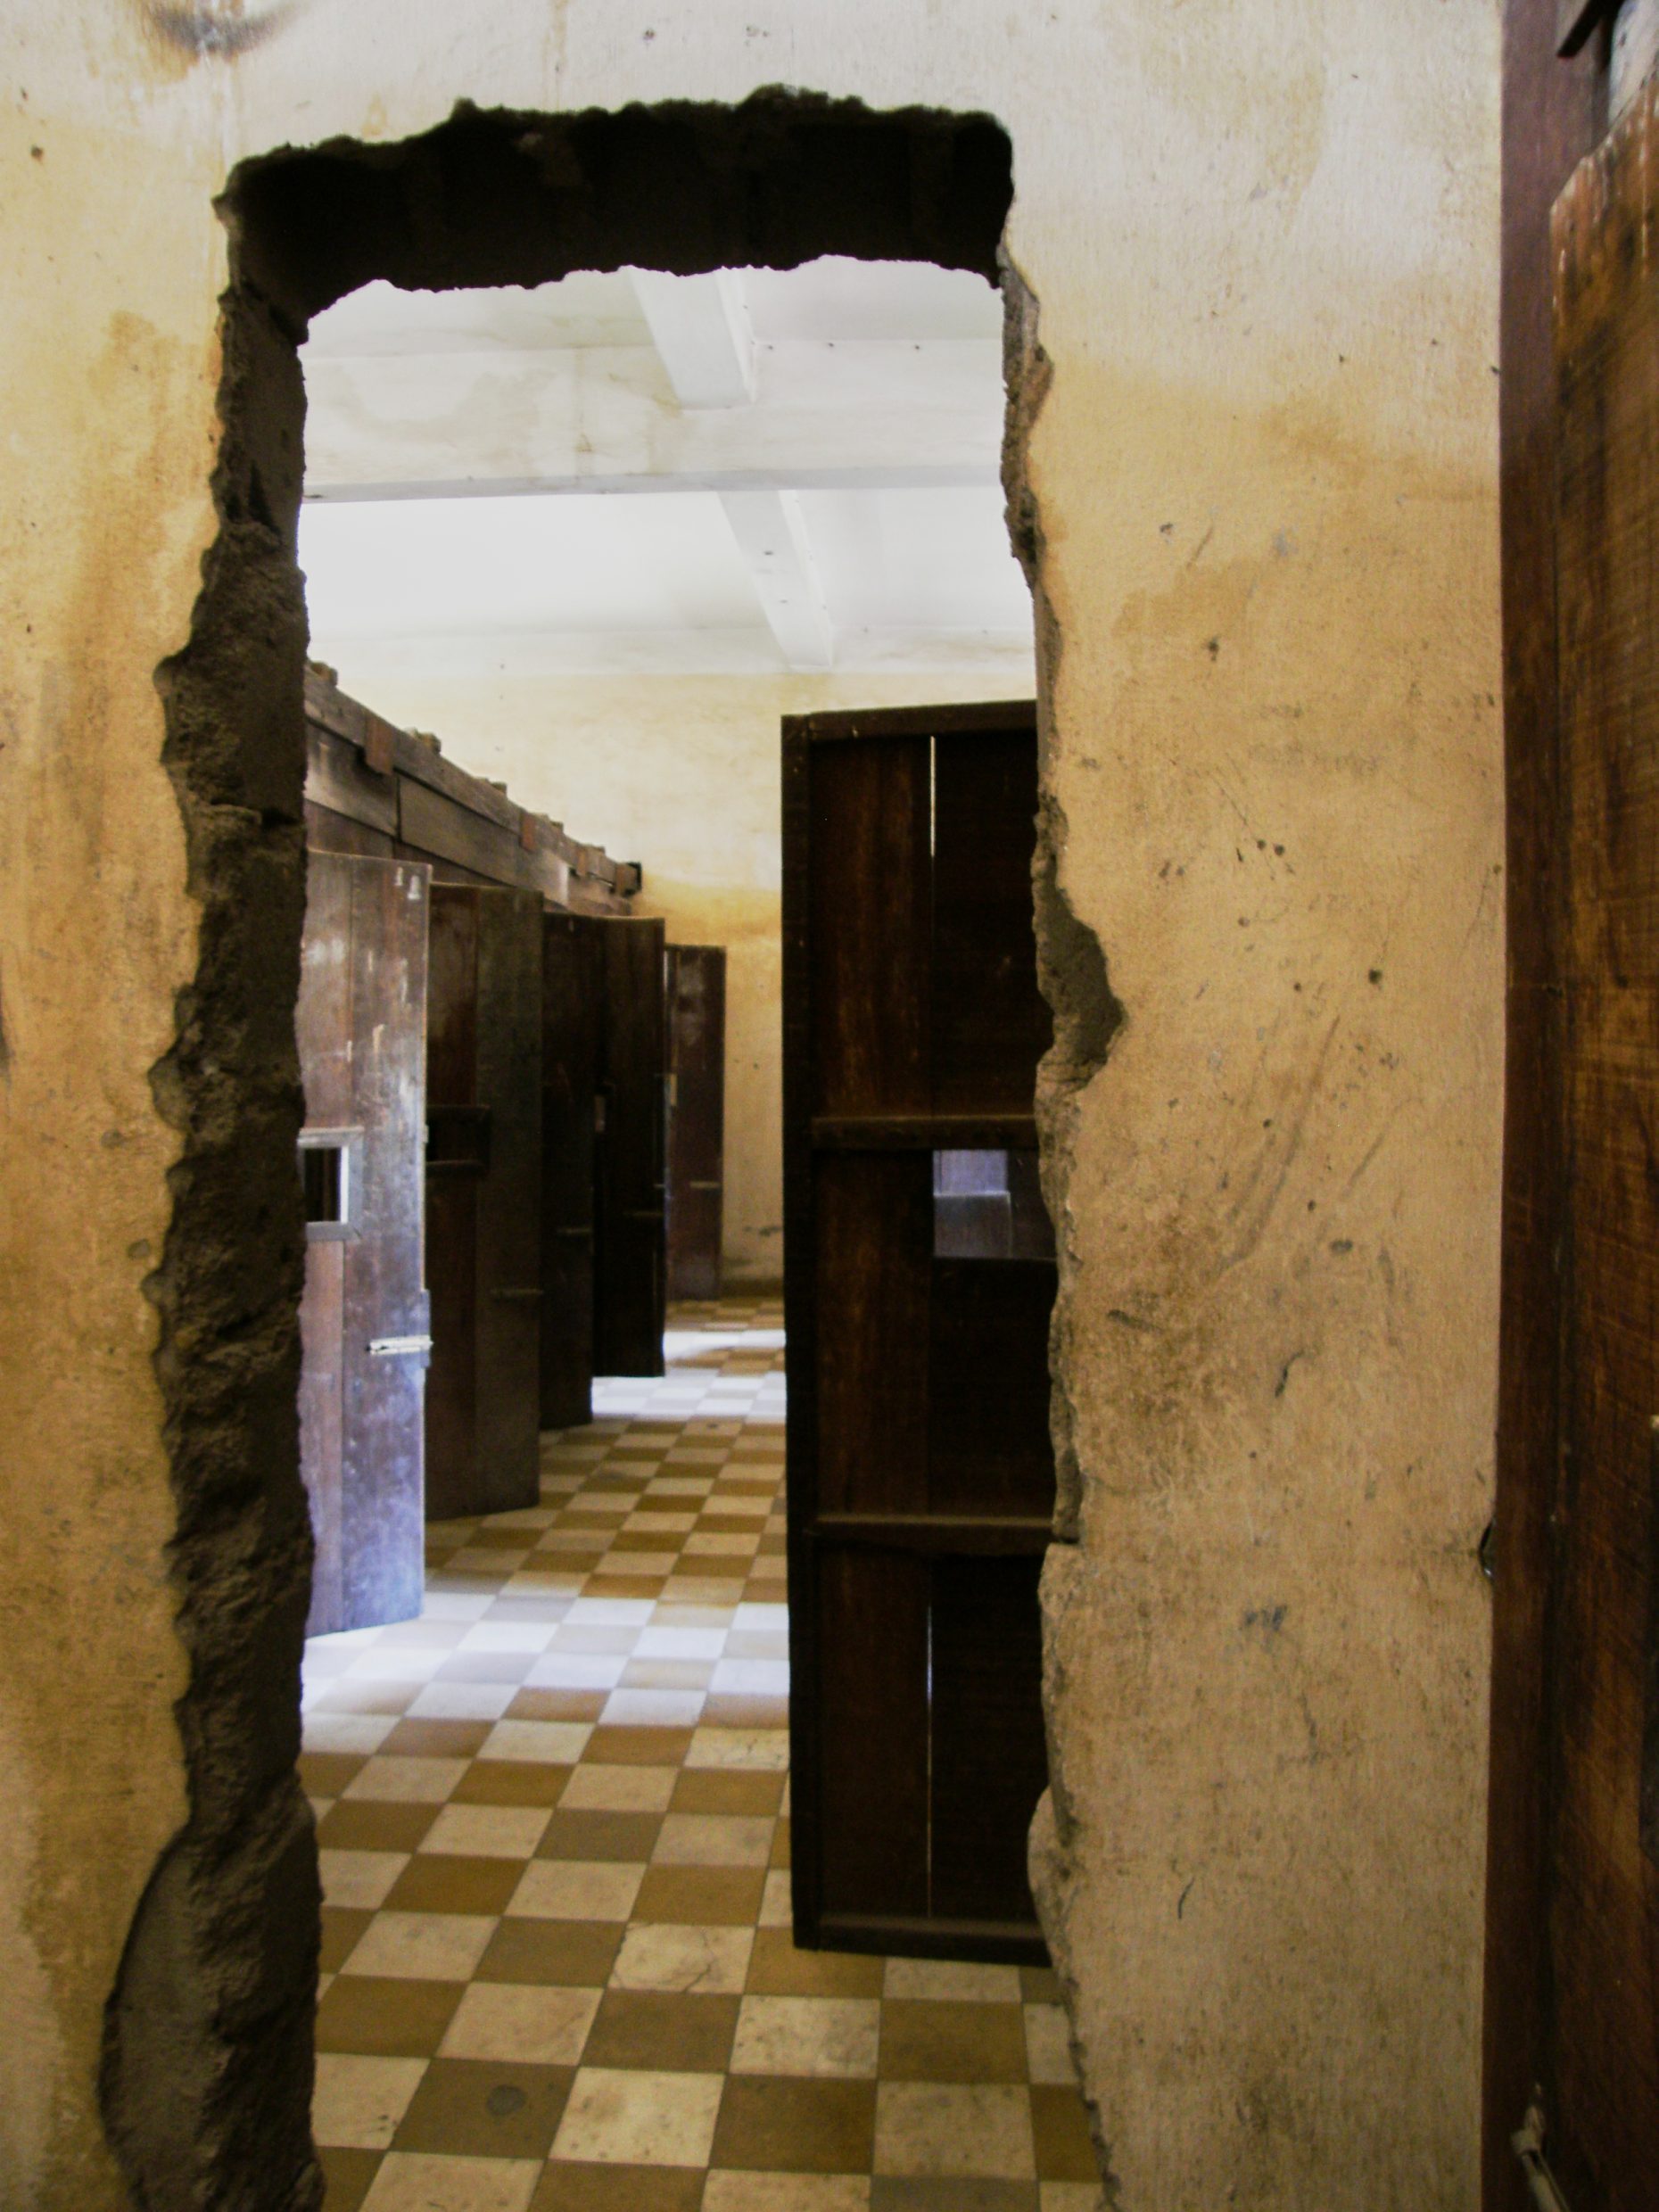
<point x="1529" y="2147"/>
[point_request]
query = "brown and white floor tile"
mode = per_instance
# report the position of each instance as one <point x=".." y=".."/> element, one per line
<point x="553" y="1815"/>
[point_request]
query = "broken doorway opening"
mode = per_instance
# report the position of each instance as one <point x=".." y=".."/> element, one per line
<point x="208" y="2059"/>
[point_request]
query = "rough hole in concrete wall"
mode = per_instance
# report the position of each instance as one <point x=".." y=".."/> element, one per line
<point x="208" y="2048"/>
<point x="1071" y="965"/>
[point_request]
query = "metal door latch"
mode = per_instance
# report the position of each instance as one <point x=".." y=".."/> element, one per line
<point x="1529" y="2147"/>
<point x="389" y="1347"/>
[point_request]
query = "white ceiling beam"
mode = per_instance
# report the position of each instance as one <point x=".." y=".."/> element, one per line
<point x="700" y="328"/>
<point x="850" y="415"/>
<point x="770" y="533"/>
<point x="949" y="476"/>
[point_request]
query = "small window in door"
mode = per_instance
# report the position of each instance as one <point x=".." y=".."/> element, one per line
<point x="323" y="1170"/>
<point x="329" y="1164"/>
<point x="988" y="1205"/>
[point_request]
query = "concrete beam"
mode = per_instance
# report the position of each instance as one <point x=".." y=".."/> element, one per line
<point x="700" y="328"/>
<point x="853" y="416"/>
<point x="770" y="532"/>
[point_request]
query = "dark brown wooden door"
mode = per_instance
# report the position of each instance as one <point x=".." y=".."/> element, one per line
<point x="572" y="985"/>
<point x="697" y="1118"/>
<point x="483" y="1202"/>
<point x="919" y="1280"/>
<point x="629" y="1272"/>
<point x="361" y="1024"/>
<point x="1592" y="1926"/>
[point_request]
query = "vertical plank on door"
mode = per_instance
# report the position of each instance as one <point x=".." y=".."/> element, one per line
<point x="572" y="983"/>
<point x="1602" y="2090"/>
<point x="484" y="1199"/>
<point x="1550" y="118"/>
<point x="697" y="1116"/>
<point x="629" y="1274"/>
<point x="509" y="1288"/>
<point x="453" y="1171"/>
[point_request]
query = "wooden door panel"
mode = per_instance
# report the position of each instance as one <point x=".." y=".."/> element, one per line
<point x="873" y="1221"/>
<point x="572" y="983"/>
<point x="871" y="923"/>
<point x="360" y="1027"/>
<point x="920" y="1279"/>
<point x="988" y="1445"/>
<point x="989" y="1763"/>
<point x="871" y="1682"/>
<point x="484" y="1201"/>
<point x="696" y="1085"/>
<point x="990" y="1023"/>
<point x="629" y="1271"/>
<point x="386" y="1313"/>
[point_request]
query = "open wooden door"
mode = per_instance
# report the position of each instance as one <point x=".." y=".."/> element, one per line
<point x="697" y="1118"/>
<point x="572" y="1002"/>
<point x="629" y="1273"/>
<point x="361" y="1024"/>
<point x="484" y="1205"/>
<point x="918" y="1279"/>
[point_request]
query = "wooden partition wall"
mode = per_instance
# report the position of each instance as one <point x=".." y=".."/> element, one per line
<point x="918" y="1281"/>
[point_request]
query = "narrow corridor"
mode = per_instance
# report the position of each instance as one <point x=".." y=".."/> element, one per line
<point x="554" y="1821"/>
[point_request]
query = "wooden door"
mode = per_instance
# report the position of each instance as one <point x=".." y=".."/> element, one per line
<point x="572" y="1008"/>
<point x="697" y="1118"/>
<point x="918" y="1279"/>
<point x="484" y="1205"/>
<point x="629" y="1272"/>
<point x="361" y="1024"/>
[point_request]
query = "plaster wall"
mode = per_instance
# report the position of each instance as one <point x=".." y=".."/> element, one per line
<point x="1262" y="233"/>
<point x="681" y="773"/>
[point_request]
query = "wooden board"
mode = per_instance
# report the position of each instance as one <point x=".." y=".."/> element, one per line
<point x="484" y="1201"/>
<point x="697" y="1118"/>
<point x="360" y="768"/>
<point x="918" y="1291"/>
<point x="572" y="1008"/>
<point x="360" y="1027"/>
<point x="1550" y="110"/>
<point x="1600" y="1923"/>
<point x="628" y="1271"/>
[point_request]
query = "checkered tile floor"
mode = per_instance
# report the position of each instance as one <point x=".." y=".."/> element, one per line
<point x="554" y="1823"/>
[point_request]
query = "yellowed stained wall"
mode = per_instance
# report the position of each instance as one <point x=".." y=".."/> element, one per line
<point x="681" y="773"/>
<point x="1262" y="233"/>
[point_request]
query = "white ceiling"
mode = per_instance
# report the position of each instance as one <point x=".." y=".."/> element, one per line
<point x="626" y="471"/>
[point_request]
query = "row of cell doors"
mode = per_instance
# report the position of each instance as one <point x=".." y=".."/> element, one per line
<point x="486" y="1161"/>
<point x="920" y="1272"/>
